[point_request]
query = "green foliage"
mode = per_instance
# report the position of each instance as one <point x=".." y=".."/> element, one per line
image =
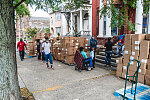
<point x="21" y="10"/>
<point x="58" y="34"/>
<point x="47" y="30"/>
<point x="74" y="4"/>
<point x="32" y="31"/>
<point x="119" y="15"/>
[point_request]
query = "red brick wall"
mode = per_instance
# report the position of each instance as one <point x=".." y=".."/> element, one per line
<point x="95" y="9"/>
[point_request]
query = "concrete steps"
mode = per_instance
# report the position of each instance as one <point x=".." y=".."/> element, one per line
<point x="100" y="60"/>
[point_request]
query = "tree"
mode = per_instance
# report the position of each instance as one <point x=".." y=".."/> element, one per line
<point x="32" y="31"/>
<point x="47" y="30"/>
<point x="120" y="16"/>
<point x="9" y="85"/>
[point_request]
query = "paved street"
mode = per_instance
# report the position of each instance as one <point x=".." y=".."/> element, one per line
<point x="64" y="83"/>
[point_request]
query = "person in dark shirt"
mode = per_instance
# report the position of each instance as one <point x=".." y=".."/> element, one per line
<point x="38" y="48"/>
<point x="108" y="52"/>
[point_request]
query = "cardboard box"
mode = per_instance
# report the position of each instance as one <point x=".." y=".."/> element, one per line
<point x="148" y="72"/>
<point x="135" y="52"/>
<point x="124" y="69"/>
<point x="128" y="41"/>
<point x="141" y="77"/>
<point x="71" y="50"/>
<point x="144" y="49"/>
<point x="134" y="57"/>
<point x="126" y="59"/>
<point x="119" y="60"/>
<point x="147" y="82"/>
<point x="128" y="52"/>
<point x="148" y="67"/>
<point x="137" y="38"/>
<point x="147" y="36"/>
<point x="69" y="59"/>
<point x="144" y="63"/>
<point x="147" y="77"/>
<point x="123" y="75"/>
<point x="119" y="68"/>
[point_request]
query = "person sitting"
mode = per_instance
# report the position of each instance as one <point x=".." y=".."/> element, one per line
<point x="86" y="59"/>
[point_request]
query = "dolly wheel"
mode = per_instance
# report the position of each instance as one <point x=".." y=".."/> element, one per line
<point x="89" y="68"/>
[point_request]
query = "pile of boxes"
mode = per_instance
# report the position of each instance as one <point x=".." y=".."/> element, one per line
<point x="64" y="48"/>
<point x="31" y="49"/>
<point x="137" y="46"/>
<point x="42" y="35"/>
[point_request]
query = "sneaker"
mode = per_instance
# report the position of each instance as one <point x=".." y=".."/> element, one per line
<point x="52" y="68"/>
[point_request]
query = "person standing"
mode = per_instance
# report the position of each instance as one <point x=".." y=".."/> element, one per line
<point x="108" y="52"/>
<point x="21" y="46"/>
<point x="48" y="55"/>
<point x="93" y="44"/>
<point x="42" y="51"/>
<point x="38" y="49"/>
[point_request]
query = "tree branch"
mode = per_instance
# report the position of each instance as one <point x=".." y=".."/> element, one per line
<point x="19" y="4"/>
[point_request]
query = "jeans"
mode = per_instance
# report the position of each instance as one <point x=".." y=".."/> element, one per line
<point x="21" y="53"/>
<point x="89" y="60"/>
<point x="121" y="49"/>
<point x="108" y="57"/>
<point x="49" y="56"/>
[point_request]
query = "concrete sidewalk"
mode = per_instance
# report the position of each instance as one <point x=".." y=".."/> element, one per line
<point x="64" y="83"/>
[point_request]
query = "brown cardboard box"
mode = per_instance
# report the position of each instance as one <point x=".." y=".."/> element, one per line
<point x="148" y="67"/>
<point x="148" y="72"/>
<point x="144" y="63"/>
<point x="123" y="75"/>
<point x="69" y="59"/>
<point x="147" y="82"/>
<point x="135" y="52"/>
<point x="71" y="50"/>
<point x="128" y="52"/>
<point x="128" y="41"/>
<point x="119" y="68"/>
<point x="137" y="38"/>
<point x="147" y="36"/>
<point x="141" y="77"/>
<point x="124" y="69"/>
<point x="144" y="49"/>
<point x="126" y="59"/>
<point x="119" y="60"/>
<point x="134" y="57"/>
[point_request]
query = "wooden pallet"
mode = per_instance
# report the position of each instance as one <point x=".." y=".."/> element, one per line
<point x="143" y="92"/>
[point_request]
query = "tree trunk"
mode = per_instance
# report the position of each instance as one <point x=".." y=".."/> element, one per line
<point x="9" y="85"/>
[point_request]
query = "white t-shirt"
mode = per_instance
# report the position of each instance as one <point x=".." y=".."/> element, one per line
<point x="46" y="47"/>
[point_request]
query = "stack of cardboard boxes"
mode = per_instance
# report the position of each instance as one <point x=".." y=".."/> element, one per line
<point x="136" y="47"/>
<point x="31" y="49"/>
<point x="42" y="35"/>
<point x="64" y="48"/>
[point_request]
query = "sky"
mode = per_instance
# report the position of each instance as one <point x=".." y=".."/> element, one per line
<point x="37" y="13"/>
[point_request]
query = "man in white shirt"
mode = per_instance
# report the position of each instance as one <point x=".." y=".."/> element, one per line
<point x="48" y="55"/>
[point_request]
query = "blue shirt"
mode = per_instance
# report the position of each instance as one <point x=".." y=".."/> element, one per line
<point x="84" y="54"/>
<point x="93" y="43"/>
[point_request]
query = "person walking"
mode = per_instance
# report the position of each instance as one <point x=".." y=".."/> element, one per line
<point x="48" y="55"/>
<point x="38" y="49"/>
<point x="21" y="46"/>
<point x="93" y="44"/>
<point x="42" y="51"/>
<point x="108" y="52"/>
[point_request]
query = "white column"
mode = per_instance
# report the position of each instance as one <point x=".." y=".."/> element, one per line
<point x="108" y="24"/>
<point x="90" y="20"/>
<point x="81" y="22"/>
<point x="101" y="22"/>
<point x="139" y="17"/>
<point x="149" y="22"/>
<point x="71" y="24"/>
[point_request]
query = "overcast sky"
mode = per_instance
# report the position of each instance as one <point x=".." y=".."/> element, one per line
<point x="38" y="13"/>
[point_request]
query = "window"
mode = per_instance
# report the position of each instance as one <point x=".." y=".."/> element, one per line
<point x="145" y="26"/>
<point x="58" y="30"/>
<point x="58" y="16"/>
